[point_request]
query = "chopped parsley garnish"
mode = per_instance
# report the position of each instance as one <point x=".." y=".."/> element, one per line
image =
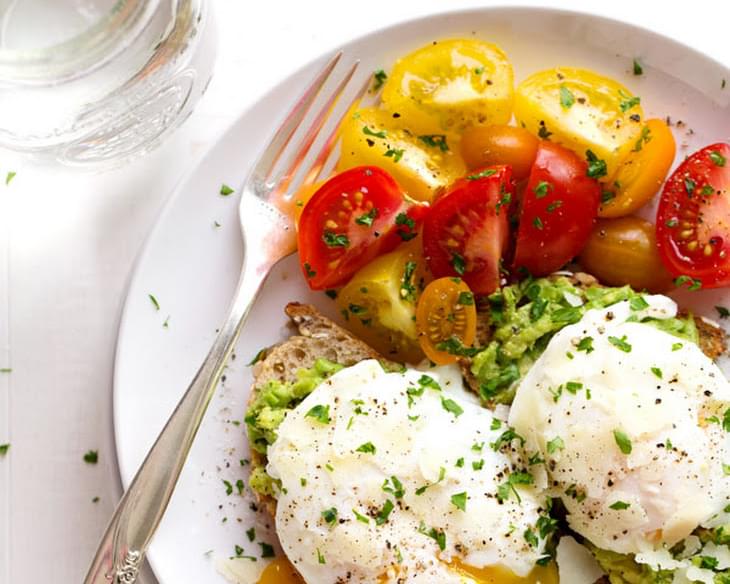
<point x="459" y="462"/>
<point x="596" y="167"/>
<point x="240" y="486"/>
<point x="428" y="381"/>
<point x="407" y="287"/>
<point x="379" y="78"/>
<point x="538" y="224"/>
<point x="717" y="158"/>
<point x="677" y="346"/>
<point x="459" y="501"/>
<point x="556" y="393"/>
<point x="477" y="446"/>
<point x="384" y="513"/>
<point x="726" y="420"/>
<point x="627" y="101"/>
<point x="10" y="176"/>
<point x="575" y="493"/>
<point x="458" y="263"/>
<point x="332" y="239"/>
<point x="535" y="459"/>
<point x="537" y="309"/>
<point x="506" y="438"/>
<point x="554" y="205"/>
<point x="585" y="344"/>
<point x="257" y="357"/>
<point x="360" y="517"/>
<point x="638" y="70"/>
<point x="656" y="371"/>
<point x="644" y="138"/>
<point x="226" y="190"/>
<point x="394" y="486"/>
<point x="435" y="141"/>
<point x="694" y="283"/>
<point x="546" y="525"/>
<point x="407" y="226"/>
<point x="330" y="516"/>
<point x="320" y="413"/>
<point x="555" y="444"/>
<point x="228" y="486"/>
<point x="639" y="303"/>
<point x="483" y="174"/>
<point x="454" y="346"/>
<point x="367" y="448"/>
<point x="154" y="301"/>
<point x="4" y="449"/>
<point x="437" y="535"/>
<point x="308" y="269"/>
<point x="543" y="132"/>
<point x="251" y="533"/>
<point x="6" y="370"/>
<point x="708" y="562"/>
<point x="567" y="99"/>
<point x="531" y="538"/>
<point x="508" y="487"/>
<point x="619" y="505"/>
<point x="607" y="196"/>
<point x="91" y="457"/>
<point x="622" y="440"/>
<point x="320" y="557"/>
<point x="689" y="186"/>
<point x="620" y="343"/>
<point x="451" y="406"/>
<point x="478" y="464"/>
<point x="708" y="190"/>
<point x="466" y="299"/>
<point x="368" y="132"/>
<point x="568" y="314"/>
<point x="541" y="190"/>
<point x="368" y="218"/>
<point x="573" y="387"/>
<point x="395" y="153"/>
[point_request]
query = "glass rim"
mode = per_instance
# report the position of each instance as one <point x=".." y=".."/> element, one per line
<point x="77" y="56"/>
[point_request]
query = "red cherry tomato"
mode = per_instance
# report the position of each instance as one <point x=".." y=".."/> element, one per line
<point x="466" y="230"/>
<point x="354" y="217"/>
<point x="693" y="220"/>
<point x="559" y="207"/>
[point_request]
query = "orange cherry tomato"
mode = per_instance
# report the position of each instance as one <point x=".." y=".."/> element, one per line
<point x="446" y="315"/>
<point x="624" y="251"/>
<point x="641" y="175"/>
<point x="500" y="144"/>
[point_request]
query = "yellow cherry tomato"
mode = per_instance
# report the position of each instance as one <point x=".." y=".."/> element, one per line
<point x="379" y="303"/>
<point x="446" y="313"/>
<point x="642" y="173"/>
<point x="451" y="85"/>
<point x="583" y="111"/>
<point x="420" y="163"/>
<point x="623" y="251"/>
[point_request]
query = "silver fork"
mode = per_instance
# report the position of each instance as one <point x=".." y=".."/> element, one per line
<point x="268" y="237"/>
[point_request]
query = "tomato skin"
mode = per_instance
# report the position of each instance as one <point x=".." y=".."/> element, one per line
<point x="466" y="231"/>
<point x="623" y="251"/>
<point x="640" y="176"/>
<point x="559" y="207"/>
<point x="693" y="218"/>
<point x="442" y="314"/>
<point x="499" y="144"/>
<point x="333" y="245"/>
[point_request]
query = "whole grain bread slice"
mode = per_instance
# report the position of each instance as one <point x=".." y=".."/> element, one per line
<point x="318" y="338"/>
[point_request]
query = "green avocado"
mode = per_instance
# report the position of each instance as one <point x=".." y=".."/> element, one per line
<point x="525" y="316"/>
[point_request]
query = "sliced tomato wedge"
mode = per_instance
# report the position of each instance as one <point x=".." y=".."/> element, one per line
<point x="693" y="219"/>
<point x="559" y="207"/>
<point x="466" y="230"/>
<point x="354" y="217"/>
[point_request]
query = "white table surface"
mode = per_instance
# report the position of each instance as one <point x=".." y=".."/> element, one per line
<point x="68" y="241"/>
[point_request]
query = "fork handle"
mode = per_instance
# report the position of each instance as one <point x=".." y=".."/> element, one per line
<point x="122" y="549"/>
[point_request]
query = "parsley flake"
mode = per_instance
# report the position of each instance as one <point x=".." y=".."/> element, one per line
<point x="435" y="141"/>
<point x="225" y="190"/>
<point x="384" y="513"/>
<point x="619" y="505"/>
<point x="451" y="406"/>
<point x="459" y="501"/>
<point x="623" y="441"/>
<point x="91" y="457"/>
<point x="320" y="413"/>
<point x="567" y="99"/>
<point x="367" y="448"/>
<point x="483" y="174"/>
<point x="332" y="239"/>
<point x="596" y="167"/>
<point x="620" y="343"/>
<point x="379" y="78"/>
<point x="555" y="444"/>
<point x="638" y="70"/>
<point x="717" y="158"/>
<point x="368" y="132"/>
<point x="367" y="218"/>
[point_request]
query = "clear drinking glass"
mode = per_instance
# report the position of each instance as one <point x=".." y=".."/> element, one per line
<point x="86" y="81"/>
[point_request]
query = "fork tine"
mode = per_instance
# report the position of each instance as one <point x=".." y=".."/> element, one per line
<point x="302" y="149"/>
<point x="319" y="163"/>
<point x="269" y="157"/>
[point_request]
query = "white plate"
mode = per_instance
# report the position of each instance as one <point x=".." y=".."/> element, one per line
<point x="191" y="266"/>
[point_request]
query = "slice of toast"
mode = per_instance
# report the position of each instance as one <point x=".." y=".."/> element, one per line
<point x="318" y="338"/>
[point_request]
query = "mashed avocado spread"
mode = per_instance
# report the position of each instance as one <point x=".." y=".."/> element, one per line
<point x="525" y="316"/>
<point x="269" y="408"/>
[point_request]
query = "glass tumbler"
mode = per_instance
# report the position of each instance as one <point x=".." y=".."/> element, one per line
<point x="92" y="81"/>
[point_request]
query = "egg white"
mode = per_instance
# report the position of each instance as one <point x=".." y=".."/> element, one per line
<point x="663" y="394"/>
<point x="415" y="436"/>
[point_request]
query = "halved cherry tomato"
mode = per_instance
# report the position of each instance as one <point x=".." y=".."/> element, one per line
<point x="446" y="313"/>
<point x="354" y="217"/>
<point x="559" y="207"/>
<point x="623" y="251"/>
<point x="467" y="229"/>
<point x="582" y="111"/>
<point x="487" y="145"/>
<point x="642" y="173"/>
<point x="451" y="85"/>
<point x="693" y="219"/>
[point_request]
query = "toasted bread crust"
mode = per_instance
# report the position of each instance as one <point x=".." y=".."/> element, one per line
<point x="318" y="338"/>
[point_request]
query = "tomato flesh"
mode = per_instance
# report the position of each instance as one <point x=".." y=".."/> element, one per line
<point x="466" y="231"/>
<point x="693" y="219"/>
<point x="559" y="207"/>
<point x="499" y="144"/>
<point x="354" y="217"/>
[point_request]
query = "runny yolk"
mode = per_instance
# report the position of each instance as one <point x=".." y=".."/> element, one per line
<point x="280" y="571"/>
<point x="499" y="575"/>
